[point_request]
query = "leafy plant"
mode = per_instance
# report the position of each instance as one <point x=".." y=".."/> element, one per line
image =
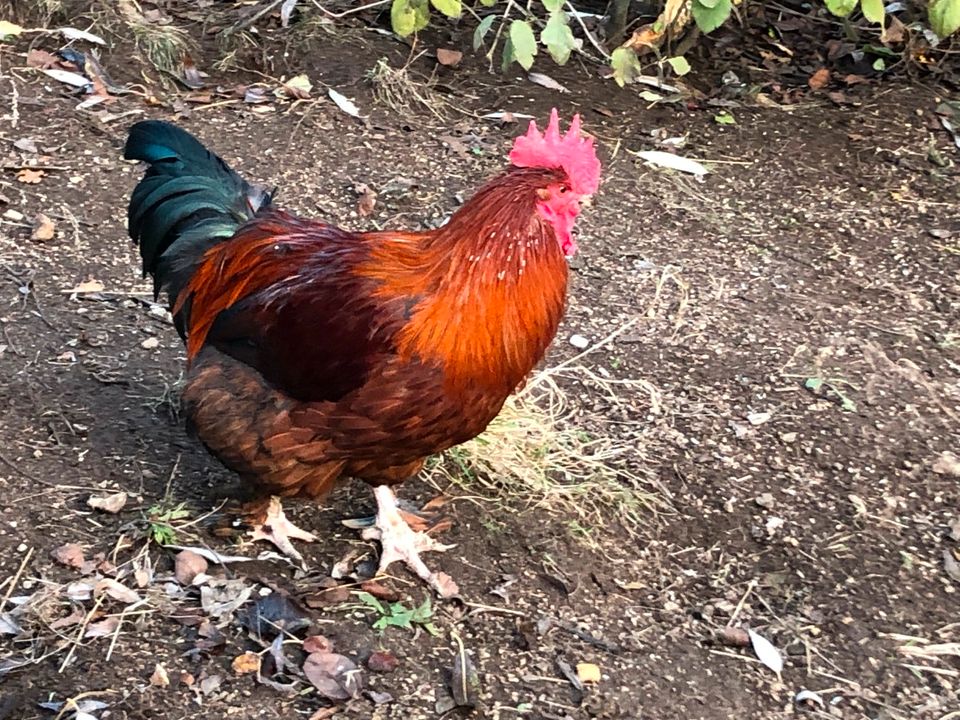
<point x="815" y="384"/>
<point x="397" y="614"/>
<point x="520" y="30"/>
<point x="159" y="522"/>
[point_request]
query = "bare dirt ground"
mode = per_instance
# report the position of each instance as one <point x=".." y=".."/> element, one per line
<point x="796" y="318"/>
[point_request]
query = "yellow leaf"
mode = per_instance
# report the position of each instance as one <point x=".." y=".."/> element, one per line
<point x="588" y="673"/>
<point x="9" y="29"/>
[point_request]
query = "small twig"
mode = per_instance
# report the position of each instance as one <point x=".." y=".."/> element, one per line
<point x="173" y="472"/>
<point x="116" y="633"/>
<point x="248" y="21"/>
<point x="36" y="167"/>
<point x="496" y="38"/>
<point x="80" y="631"/>
<point x="343" y="14"/>
<point x="14" y="104"/>
<point x="736" y="612"/>
<point x="586" y="32"/>
<point x="16" y="578"/>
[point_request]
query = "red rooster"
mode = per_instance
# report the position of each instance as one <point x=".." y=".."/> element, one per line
<point x="317" y="353"/>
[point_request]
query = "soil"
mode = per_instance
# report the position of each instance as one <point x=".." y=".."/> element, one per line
<point x="795" y="316"/>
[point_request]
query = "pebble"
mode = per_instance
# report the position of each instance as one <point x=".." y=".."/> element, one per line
<point x="579" y="342"/>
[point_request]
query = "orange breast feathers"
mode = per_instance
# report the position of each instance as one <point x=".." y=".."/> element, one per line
<point x="486" y="316"/>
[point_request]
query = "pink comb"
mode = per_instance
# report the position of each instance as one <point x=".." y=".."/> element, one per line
<point x="571" y="152"/>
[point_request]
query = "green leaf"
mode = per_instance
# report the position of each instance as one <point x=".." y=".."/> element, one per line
<point x="409" y="16"/>
<point x="450" y="8"/>
<point x="944" y="16"/>
<point x="813" y="383"/>
<point x="488" y="3"/>
<point x="724" y="118"/>
<point x="841" y="8"/>
<point x="482" y="29"/>
<point x="879" y="65"/>
<point x="625" y="65"/>
<point x="558" y="37"/>
<point x="368" y="599"/>
<point x="679" y="65"/>
<point x="710" y="18"/>
<point x="553" y="5"/>
<point x="508" y="54"/>
<point x="872" y="10"/>
<point x="524" y="43"/>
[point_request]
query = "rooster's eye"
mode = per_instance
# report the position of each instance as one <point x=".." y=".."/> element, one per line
<point x="563" y="189"/>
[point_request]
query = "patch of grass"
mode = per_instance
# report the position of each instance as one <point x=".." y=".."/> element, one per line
<point x="400" y="91"/>
<point x="536" y="454"/>
<point x="163" y="46"/>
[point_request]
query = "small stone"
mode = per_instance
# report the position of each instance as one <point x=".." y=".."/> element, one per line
<point x="765" y="501"/>
<point x="382" y="662"/>
<point x="579" y="342"/>
<point x="150" y="343"/>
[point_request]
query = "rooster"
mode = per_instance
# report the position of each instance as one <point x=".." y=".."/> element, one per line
<point x="316" y="353"/>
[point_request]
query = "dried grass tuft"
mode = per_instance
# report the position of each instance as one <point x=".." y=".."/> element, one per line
<point x="399" y="90"/>
<point x="163" y="46"/>
<point x="537" y="454"/>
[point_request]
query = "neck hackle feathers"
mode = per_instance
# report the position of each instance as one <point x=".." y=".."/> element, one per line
<point x="572" y="153"/>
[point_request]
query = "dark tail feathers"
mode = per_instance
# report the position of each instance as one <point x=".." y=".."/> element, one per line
<point x="188" y="200"/>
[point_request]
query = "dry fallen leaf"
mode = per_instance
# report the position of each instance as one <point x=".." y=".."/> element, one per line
<point x="159" y="677"/>
<point x="188" y="565"/>
<point x="344" y="103"/>
<point x="88" y="286"/>
<point x="820" y="79"/>
<point x="30" y="176"/>
<point x="950" y="564"/>
<point x="221" y="597"/>
<point x="317" y="644"/>
<point x="588" y="673"/>
<point x="766" y="652"/>
<point x="449" y="57"/>
<point x="464" y="681"/>
<point x="37" y="58"/>
<point x="246" y="664"/>
<point x="44" y="228"/>
<point x="298" y="87"/>
<point x="116" y="590"/>
<point x="367" y="199"/>
<point x="547" y="82"/>
<point x="108" y="503"/>
<point x="70" y="555"/>
<point x="334" y="676"/>
<point x="733" y="636"/>
<point x="102" y="628"/>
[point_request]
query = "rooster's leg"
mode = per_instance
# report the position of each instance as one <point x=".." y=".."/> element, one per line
<point x="399" y="542"/>
<point x="274" y="526"/>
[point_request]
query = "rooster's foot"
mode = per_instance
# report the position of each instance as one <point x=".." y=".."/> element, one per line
<point x="275" y="527"/>
<point x="399" y="542"/>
